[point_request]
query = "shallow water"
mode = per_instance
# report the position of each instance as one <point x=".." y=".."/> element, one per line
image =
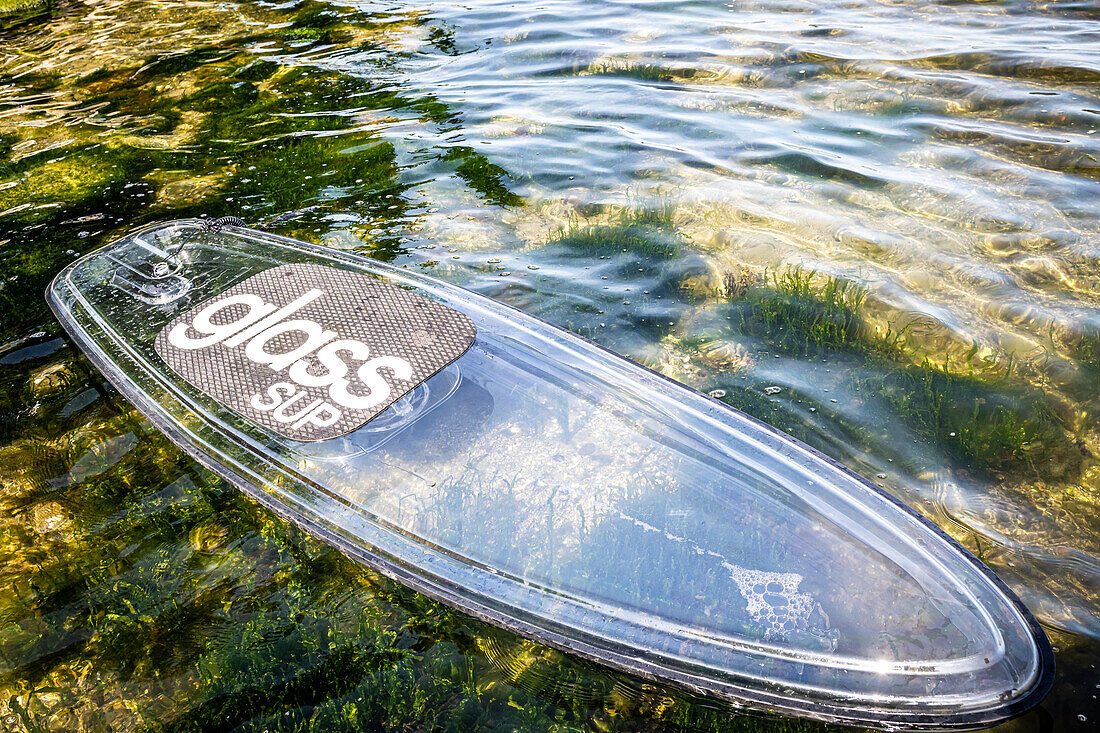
<point x="872" y="224"/>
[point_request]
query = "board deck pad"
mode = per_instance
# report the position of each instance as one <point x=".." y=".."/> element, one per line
<point x="312" y="352"/>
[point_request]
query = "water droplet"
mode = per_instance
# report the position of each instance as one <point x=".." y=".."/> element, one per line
<point x="717" y="393"/>
<point x="772" y="390"/>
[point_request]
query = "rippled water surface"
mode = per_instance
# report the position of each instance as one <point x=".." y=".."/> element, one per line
<point x="875" y="225"/>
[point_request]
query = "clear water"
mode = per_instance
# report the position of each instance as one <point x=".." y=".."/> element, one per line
<point x="874" y="225"/>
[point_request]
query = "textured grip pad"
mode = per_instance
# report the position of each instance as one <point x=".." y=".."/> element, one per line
<point x="311" y="352"/>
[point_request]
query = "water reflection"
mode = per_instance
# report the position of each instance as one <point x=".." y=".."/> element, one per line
<point x="872" y="224"/>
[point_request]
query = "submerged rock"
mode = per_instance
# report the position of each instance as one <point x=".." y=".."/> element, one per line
<point x="49" y="517"/>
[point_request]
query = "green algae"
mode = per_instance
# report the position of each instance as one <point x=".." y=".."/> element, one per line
<point x="634" y="70"/>
<point x="31" y="189"/>
<point x="442" y="37"/>
<point x="17" y="12"/>
<point x="312" y="14"/>
<point x="68" y="199"/>
<point x="1085" y="350"/>
<point x="648" y="233"/>
<point x="290" y="172"/>
<point x="792" y="312"/>
<point x="257" y="70"/>
<point x="989" y="425"/>
<point x="222" y="96"/>
<point x="984" y="419"/>
<point x="307" y="35"/>
<point x="632" y="281"/>
<point x="7" y="142"/>
<point x="485" y="177"/>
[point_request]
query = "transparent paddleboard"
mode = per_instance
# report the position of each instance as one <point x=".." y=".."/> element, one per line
<point x="545" y="484"/>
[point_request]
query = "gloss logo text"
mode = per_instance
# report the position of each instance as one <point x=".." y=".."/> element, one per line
<point x="264" y="323"/>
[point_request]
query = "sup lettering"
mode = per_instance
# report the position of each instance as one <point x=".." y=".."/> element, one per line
<point x="283" y="395"/>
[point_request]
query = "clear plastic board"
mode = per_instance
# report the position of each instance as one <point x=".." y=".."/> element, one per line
<point x="547" y="485"/>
